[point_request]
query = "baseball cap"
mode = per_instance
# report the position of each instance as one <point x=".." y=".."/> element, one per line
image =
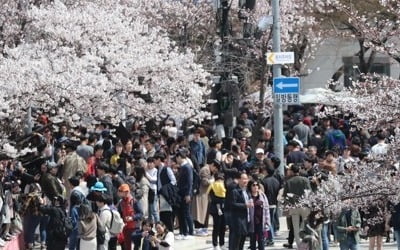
<point x="259" y="151"/>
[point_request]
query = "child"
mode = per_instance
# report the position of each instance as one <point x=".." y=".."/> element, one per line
<point x="217" y="192"/>
<point x="142" y="238"/>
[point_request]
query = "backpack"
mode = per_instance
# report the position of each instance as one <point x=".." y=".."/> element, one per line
<point x="117" y="224"/>
<point x="62" y="225"/>
<point x="336" y="143"/>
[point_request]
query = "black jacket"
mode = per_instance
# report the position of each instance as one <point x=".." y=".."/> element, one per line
<point x="170" y="193"/>
<point x="271" y="189"/>
<point x="185" y="180"/>
<point x="395" y="219"/>
<point x="214" y="202"/>
<point x="229" y="195"/>
<point x="55" y="214"/>
<point x="239" y="219"/>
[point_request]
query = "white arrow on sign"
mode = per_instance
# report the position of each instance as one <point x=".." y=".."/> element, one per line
<point x="282" y="85"/>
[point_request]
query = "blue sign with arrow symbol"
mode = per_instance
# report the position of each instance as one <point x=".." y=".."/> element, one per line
<point x="286" y="90"/>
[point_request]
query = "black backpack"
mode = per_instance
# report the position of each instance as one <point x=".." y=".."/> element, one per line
<point x="62" y="225"/>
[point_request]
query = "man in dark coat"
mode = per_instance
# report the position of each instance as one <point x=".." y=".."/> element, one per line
<point x="185" y="183"/>
<point x="230" y="186"/>
<point x="271" y="189"/>
<point x="240" y="214"/>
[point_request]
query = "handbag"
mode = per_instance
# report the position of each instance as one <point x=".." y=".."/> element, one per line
<point x="16" y="224"/>
<point x="100" y="231"/>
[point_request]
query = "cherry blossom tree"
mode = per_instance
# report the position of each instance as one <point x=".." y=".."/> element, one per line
<point x="372" y="102"/>
<point x="373" y="181"/>
<point x="90" y="60"/>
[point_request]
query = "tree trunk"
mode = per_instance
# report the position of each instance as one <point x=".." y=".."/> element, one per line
<point x="257" y="130"/>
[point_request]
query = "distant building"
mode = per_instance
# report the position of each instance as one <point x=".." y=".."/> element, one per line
<point x="338" y="54"/>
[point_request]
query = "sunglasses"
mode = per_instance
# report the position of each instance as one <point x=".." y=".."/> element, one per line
<point x="254" y="185"/>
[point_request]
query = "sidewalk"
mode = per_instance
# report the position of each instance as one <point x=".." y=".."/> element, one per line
<point x="204" y="243"/>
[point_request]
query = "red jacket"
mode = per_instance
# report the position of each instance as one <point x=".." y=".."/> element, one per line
<point x="91" y="166"/>
<point x="130" y="208"/>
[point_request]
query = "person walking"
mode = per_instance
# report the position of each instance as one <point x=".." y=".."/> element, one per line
<point x="294" y="189"/>
<point x="348" y="229"/>
<point x="271" y="189"/>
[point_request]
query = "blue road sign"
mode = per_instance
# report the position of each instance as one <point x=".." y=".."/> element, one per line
<point x="286" y="90"/>
<point x="289" y="85"/>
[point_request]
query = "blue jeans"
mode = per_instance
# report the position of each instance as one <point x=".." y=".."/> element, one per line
<point x="30" y="224"/>
<point x="349" y="244"/>
<point x="325" y="240"/>
<point x="278" y="213"/>
<point x="74" y="240"/>
<point x="397" y="236"/>
<point x="185" y="219"/>
<point x="153" y="210"/>
<point x="272" y="212"/>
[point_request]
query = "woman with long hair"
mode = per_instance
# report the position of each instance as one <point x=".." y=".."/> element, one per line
<point x="164" y="240"/>
<point x="87" y="228"/>
<point x="144" y="185"/>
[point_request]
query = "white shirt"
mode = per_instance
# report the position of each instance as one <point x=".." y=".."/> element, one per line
<point x="82" y="188"/>
<point x="169" y="238"/>
<point x="246" y="199"/>
<point x="380" y="148"/>
<point x="152" y="176"/>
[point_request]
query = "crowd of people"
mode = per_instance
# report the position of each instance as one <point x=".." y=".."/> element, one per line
<point x="134" y="185"/>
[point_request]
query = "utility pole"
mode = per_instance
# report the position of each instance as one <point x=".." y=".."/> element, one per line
<point x="276" y="70"/>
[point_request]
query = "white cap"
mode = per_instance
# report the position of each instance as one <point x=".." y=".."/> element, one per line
<point x="259" y="151"/>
